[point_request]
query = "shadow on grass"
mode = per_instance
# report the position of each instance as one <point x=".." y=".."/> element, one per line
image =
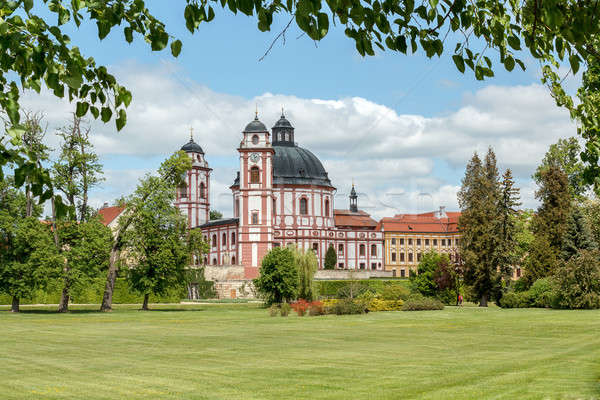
<point x="118" y="310"/>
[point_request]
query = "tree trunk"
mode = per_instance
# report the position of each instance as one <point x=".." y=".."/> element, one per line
<point x="145" y="305"/>
<point x="15" y="304"/>
<point x="483" y="302"/>
<point x="110" y="280"/>
<point x="63" y="306"/>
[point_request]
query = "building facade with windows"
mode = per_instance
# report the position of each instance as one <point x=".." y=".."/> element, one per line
<point x="408" y="236"/>
<point x="281" y="196"/>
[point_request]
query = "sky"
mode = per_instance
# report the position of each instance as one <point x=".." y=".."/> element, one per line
<point x="402" y="128"/>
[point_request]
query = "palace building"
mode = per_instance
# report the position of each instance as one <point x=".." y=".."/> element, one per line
<point x="281" y="196"/>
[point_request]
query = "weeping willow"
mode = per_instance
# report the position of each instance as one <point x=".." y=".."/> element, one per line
<point x="306" y="263"/>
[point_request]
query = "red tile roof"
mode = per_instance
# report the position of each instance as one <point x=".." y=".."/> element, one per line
<point x="108" y="214"/>
<point x="421" y="223"/>
<point x="349" y="219"/>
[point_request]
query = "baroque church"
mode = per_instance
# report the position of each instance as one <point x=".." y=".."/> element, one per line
<point x="281" y="196"/>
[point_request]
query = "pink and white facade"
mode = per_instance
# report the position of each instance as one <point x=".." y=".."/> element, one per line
<point x="282" y="196"/>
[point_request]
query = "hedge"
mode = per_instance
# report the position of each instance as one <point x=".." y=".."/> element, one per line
<point x="330" y="288"/>
<point x="92" y="294"/>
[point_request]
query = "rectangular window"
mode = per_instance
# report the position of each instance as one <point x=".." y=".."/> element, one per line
<point x="373" y="265"/>
<point x="315" y="247"/>
<point x="443" y="242"/>
<point x="361" y="250"/>
<point x="393" y="241"/>
<point x="426" y="242"/>
<point x="419" y="257"/>
<point x="410" y="242"/>
<point x="362" y="265"/>
<point x="341" y="265"/>
<point x="401" y="257"/>
<point x="456" y="242"/>
<point x="402" y="241"/>
<point x="435" y="242"/>
<point x="254" y="175"/>
<point x="393" y="257"/>
<point x="410" y="257"/>
<point x="418" y="242"/>
<point x="403" y="273"/>
<point x="341" y="249"/>
<point x="255" y="218"/>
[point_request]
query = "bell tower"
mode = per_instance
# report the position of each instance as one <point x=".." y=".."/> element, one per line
<point x="256" y="192"/>
<point x="193" y="196"/>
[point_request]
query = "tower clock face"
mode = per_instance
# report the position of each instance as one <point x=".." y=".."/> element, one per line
<point x="254" y="157"/>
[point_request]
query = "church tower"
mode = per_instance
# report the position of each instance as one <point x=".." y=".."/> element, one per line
<point x="193" y="196"/>
<point x="353" y="200"/>
<point x="256" y="194"/>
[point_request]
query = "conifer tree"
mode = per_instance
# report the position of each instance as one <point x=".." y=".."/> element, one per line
<point x="541" y="260"/>
<point x="330" y="258"/>
<point x="553" y="214"/>
<point x="479" y="199"/>
<point x="578" y="235"/>
<point x="507" y="219"/>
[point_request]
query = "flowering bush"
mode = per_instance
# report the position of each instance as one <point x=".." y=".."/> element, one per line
<point x="302" y="306"/>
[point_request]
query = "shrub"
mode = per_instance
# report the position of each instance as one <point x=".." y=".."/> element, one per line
<point x="543" y="293"/>
<point x="330" y="258"/>
<point x="330" y="288"/>
<point x="378" y="304"/>
<point x="353" y="289"/>
<point x="520" y="285"/>
<point x="285" y="309"/>
<point x="329" y="306"/>
<point x="418" y="302"/>
<point x="578" y="281"/>
<point x="514" y="300"/>
<point x="278" y="280"/>
<point x="395" y="292"/>
<point x="273" y="310"/>
<point x="348" y="306"/>
<point x="316" y="308"/>
<point x="300" y="306"/>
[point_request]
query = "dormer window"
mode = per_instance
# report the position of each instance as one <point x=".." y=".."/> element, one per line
<point x="287" y="137"/>
<point x="255" y="139"/>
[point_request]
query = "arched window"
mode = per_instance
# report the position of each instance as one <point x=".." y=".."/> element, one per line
<point x="183" y="191"/>
<point x="280" y="137"/>
<point x="361" y="250"/>
<point x="202" y="191"/>
<point x="232" y="260"/>
<point x="214" y="261"/>
<point x="373" y="250"/>
<point x="254" y="175"/>
<point x="232" y="238"/>
<point x="327" y="208"/>
<point x="303" y="206"/>
<point x="224" y="243"/>
<point x="255" y="139"/>
<point x="274" y="206"/>
<point x="214" y="241"/>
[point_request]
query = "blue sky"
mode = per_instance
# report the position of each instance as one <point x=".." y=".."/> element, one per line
<point x="399" y="125"/>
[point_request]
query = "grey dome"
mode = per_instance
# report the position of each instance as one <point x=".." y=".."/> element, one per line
<point x="192" y="147"/>
<point x="283" y="123"/>
<point x="293" y="165"/>
<point x="255" y="126"/>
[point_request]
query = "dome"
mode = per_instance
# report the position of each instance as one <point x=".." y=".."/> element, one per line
<point x="283" y="123"/>
<point x="192" y="147"/>
<point x="255" y="126"/>
<point x="293" y="165"/>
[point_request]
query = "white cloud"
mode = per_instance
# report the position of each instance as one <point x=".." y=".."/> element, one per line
<point x="391" y="156"/>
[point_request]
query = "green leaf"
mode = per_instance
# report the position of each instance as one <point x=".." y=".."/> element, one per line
<point x="122" y="120"/>
<point x="106" y="113"/>
<point x="82" y="108"/>
<point x="323" y="24"/>
<point x="176" y="48"/>
<point x="73" y="81"/>
<point x="128" y="34"/>
<point x="509" y="63"/>
<point x="95" y="112"/>
<point x="459" y="62"/>
<point x="514" y="42"/>
<point x="574" y="61"/>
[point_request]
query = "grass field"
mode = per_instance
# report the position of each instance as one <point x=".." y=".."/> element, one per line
<point x="237" y="351"/>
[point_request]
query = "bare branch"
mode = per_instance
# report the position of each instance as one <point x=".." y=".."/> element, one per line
<point x="279" y="35"/>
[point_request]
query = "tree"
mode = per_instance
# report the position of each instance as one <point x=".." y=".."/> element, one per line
<point x="306" y="264"/>
<point x="77" y="169"/>
<point x="330" y="258"/>
<point x="214" y="214"/>
<point x="523" y="235"/>
<point x="169" y="174"/>
<point x="507" y="229"/>
<point x="278" y="279"/>
<point x="85" y="251"/>
<point x="579" y="281"/>
<point x="578" y="235"/>
<point x="553" y="214"/>
<point x="541" y="261"/>
<point x="591" y="211"/>
<point x="565" y="155"/>
<point x="480" y="223"/>
<point x="424" y="281"/>
<point x="155" y="240"/>
<point x="37" y="52"/>
<point x="449" y="275"/>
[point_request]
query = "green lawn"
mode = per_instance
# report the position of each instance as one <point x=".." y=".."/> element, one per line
<point x="237" y="351"/>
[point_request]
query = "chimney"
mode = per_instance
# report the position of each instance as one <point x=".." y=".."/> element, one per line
<point x="441" y="213"/>
<point x="105" y="205"/>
